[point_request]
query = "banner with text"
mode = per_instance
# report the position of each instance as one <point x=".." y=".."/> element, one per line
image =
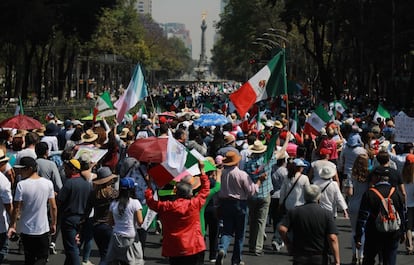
<point x="404" y="128"/>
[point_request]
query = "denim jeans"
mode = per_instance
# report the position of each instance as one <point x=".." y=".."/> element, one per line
<point x="102" y="234"/>
<point x="4" y="246"/>
<point x="233" y="213"/>
<point x="86" y="239"/>
<point x="36" y="248"/>
<point x="258" y="213"/>
<point x="69" y="229"/>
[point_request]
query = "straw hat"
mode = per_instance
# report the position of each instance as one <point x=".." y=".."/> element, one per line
<point x="257" y="147"/>
<point x="228" y="139"/>
<point x="327" y="172"/>
<point x="278" y="124"/>
<point x="231" y="159"/>
<point x="89" y="136"/>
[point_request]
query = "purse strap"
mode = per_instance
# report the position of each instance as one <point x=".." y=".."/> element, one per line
<point x="291" y="188"/>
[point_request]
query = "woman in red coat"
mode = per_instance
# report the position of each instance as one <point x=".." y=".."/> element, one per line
<point x="182" y="241"/>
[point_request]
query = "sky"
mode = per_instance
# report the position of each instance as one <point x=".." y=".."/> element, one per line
<point x="189" y="13"/>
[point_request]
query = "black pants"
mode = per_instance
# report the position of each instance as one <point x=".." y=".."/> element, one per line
<point x="196" y="259"/>
<point x="36" y="248"/>
<point x="309" y="260"/>
<point x="212" y="225"/>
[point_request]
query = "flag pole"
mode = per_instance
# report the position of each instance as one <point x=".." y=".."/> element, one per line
<point x="287" y="94"/>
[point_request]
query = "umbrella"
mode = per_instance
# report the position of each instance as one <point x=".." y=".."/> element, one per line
<point x="211" y="119"/>
<point x="168" y="114"/>
<point x="22" y="122"/>
<point x="151" y="149"/>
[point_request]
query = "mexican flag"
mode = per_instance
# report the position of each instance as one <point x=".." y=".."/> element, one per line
<point x="337" y="107"/>
<point x="316" y="121"/>
<point x="381" y="113"/>
<point x="270" y="81"/>
<point x="102" y="103"/>
<point x="180" y="162"/>
<point x="136" y="91"/>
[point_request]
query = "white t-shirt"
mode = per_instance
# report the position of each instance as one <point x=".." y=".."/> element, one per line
<point x="125" y="224"/>
<point x="6" y="198"/>
<point x="52" y="143"/>
<point x="34" y="195"/>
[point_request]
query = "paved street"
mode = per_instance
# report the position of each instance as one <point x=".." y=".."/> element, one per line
<point x="153" y="251"/>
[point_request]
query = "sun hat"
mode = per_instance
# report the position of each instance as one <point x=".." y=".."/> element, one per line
<point x="89" y="136"/>
<point x="104" y="175"/>
<point x="231" y="159"/>
<point x="51" y="129"/>
<point x="278" y="124"/>
<point x="3" y="157"/>
<point x="327" y="172"/>
<point x="25" y="162"/>
<point x="127" y="183"/>
<point x="40" y="131"/>
<point x="257" y="147"/>
<point x="228" y="139"/>
<point x="269" y="123"/>
<point x="299" y="162"/>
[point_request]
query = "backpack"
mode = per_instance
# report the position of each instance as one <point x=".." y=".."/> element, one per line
<point x="388" y="219"/>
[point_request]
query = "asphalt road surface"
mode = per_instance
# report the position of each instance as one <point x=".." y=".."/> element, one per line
<point x="153" y="251"/>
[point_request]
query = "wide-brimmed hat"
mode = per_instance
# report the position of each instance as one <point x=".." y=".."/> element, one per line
<point x="89" y="136"/>
<point x="269" y="123"/>
<point x="228" y="139"/>
<point x="231" y="158"/>
<point x="257" y="147"/>
<point x="278" y="124"/>
<point x="40" y="131"/>
<point x="3" y="157"/>
<point x="104" y="175"/>
<point x="327" y="172"/>
<point x="124" y="133"/>
<point x="51" y="129"/>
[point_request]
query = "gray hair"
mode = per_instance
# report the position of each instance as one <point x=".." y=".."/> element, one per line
<point x="312" y="193"/>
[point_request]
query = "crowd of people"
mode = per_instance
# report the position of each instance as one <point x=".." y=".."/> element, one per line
<point x="263" y="174"/>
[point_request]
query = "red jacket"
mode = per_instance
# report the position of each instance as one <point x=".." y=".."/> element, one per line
<point x="181" y="222"/>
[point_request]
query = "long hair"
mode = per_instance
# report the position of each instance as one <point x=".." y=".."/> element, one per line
<point x="291" y="167"/>
<point x="123" y="199"/>
<point x="360" y="168"/>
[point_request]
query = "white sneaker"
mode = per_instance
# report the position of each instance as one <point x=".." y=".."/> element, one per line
<point x="87" y="263"/>
<point x="277" y="246"/>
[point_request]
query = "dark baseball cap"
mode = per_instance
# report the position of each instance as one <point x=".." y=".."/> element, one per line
<point x="381" y="171"/>
<point x="26" y="162"/>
